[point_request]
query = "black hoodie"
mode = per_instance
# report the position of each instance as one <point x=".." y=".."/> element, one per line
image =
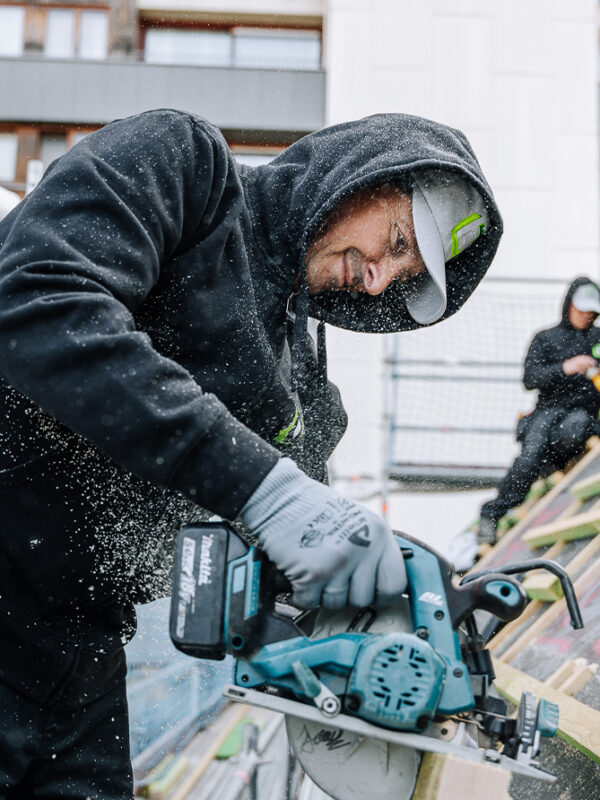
<point x="143" y="293"/>
<point x="543" y="364"/>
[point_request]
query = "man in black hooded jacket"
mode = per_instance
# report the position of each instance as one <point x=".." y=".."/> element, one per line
<point x="559" y="365"/>
<point x="156" y="369"/>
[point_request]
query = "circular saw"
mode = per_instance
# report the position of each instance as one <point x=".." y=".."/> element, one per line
<point x="365" y="692"/>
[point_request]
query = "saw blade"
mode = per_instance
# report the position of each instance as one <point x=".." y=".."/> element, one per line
<point x="347" y="766"/>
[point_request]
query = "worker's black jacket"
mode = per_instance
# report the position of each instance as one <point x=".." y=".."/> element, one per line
<point x="143" y="293"/>
<point x="543" y="364"/>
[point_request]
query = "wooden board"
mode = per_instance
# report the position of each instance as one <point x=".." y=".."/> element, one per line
<point x="589" y="487"/>
<point x="571" y="676"/>
<point x="576" y="526"/>
<point x="556" y="504"/>
<point x="440" y="776"/>
<point x="574" y="556"/>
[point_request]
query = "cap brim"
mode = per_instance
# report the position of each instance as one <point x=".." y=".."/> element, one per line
<point x="427" y="302"/>
<point x="586" y="298"/>
<point x="588" y="305"/>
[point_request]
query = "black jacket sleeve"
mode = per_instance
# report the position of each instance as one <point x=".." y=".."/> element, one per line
<point x="543" y="371"/>
<point x="542" y="367"/>
<point x="77" y="258"/>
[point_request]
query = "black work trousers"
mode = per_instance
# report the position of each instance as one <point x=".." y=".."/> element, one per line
<point x="64" y="729"/>
<point x="552" y="437"/>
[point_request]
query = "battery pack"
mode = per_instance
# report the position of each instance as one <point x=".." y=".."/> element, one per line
<point x="202" y="553"/>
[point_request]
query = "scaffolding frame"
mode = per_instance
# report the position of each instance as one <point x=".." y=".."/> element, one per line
<point x="427" y="474"/>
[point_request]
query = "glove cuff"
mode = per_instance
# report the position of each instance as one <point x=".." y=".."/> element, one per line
<point x="281" y="485"/>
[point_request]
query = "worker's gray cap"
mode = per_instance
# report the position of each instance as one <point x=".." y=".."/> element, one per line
<point x="448" y="215"/>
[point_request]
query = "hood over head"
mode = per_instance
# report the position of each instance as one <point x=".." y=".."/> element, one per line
<point x="588" y="296"/>
<point x="303" y="185"/>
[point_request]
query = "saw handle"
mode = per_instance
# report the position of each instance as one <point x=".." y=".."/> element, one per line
<point x="540" y="563"/>
<point x="495" y="592"/>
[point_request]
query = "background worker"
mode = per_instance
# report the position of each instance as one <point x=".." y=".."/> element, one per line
<point x="566" y="412"/>
<point x="156" y="369"/>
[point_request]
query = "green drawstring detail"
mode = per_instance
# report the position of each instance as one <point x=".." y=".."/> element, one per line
<point x="284" y="432"/>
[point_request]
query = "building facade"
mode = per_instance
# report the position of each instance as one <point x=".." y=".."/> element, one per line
<point x="519" y="78"/>
<point x="254" y="69"/>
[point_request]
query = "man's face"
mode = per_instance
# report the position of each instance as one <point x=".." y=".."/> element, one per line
<point x="365" y="244"/>
<point x="581" y="319"/>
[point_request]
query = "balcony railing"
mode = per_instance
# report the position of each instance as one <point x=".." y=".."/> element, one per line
<point x="284" y="102"/>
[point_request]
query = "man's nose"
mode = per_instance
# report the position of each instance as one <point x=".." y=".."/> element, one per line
<point x="378" y="275"/>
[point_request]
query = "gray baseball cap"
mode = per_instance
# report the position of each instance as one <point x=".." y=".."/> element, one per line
<point x="586" y="298"/>
<point x="449" y="214"/>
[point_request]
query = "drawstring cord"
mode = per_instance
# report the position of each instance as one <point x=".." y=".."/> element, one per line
<point x="299" y="333"/>
<point x="321" y="355"/>
<point x="298" y="349"/>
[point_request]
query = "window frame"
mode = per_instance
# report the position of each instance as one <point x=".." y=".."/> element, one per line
<point x="23" y="9"/>
<point x="81" y="11"/>
<point x="78" y="11"/>
<point x="147" y="24"/>
<point x="5" y="179"/>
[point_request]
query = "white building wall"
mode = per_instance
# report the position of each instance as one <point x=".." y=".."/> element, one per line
<point x="519" y="77"/>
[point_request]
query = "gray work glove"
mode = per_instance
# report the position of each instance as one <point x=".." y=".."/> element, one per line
<point x="334" y="552"/>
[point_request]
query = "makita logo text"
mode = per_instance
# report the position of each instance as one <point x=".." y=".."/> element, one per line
<point x="205" y="567"/>
<point x="187" y="585"/>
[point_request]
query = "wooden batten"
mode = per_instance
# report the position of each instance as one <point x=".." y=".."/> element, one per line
<point x="590" y="487"/>
<point x="441" y="776"/>
<point x="566" y="529"/>
<point x="544" y="586"/>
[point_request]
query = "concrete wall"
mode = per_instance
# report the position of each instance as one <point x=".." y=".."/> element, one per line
<point x="520" y="79"/>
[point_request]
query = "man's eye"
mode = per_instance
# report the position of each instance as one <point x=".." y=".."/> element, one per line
<point x="399" y="246"/>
